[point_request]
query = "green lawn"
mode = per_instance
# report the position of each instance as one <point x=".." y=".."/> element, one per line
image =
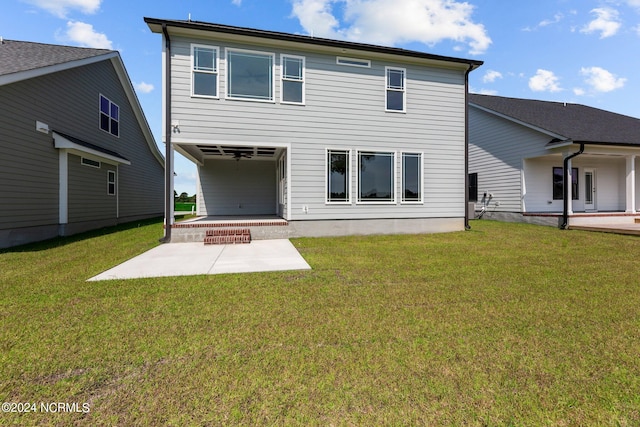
<point x="506" y="324"/>
<point x="183" y="206"/>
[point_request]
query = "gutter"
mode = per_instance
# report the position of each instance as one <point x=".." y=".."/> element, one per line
<point x="168" y="164"/>
<point x="565" y="196"/>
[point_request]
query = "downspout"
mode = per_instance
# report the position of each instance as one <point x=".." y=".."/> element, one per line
<point x="565" y="196"/>
<point x="466" y="148"/>
<point x="168" y="166"/>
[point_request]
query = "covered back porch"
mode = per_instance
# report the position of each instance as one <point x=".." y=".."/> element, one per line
<point x="602" y="185"/>
<point x="238" y="182"/>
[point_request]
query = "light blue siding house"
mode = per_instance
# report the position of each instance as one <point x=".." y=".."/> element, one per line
<point x="332" y="137"/>
<point x="553" y="163"/>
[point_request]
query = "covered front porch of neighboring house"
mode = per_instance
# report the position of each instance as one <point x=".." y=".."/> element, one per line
<point x="240" y="186"/>
<point x="604" y="186"/>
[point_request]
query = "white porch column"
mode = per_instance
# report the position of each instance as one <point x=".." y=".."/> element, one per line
<point x="570" y="186"/>
<point x="63" y="187"/>
<point x="631" y="184"/>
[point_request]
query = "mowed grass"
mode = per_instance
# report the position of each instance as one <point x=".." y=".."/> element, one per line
<point x="506" y="324"/>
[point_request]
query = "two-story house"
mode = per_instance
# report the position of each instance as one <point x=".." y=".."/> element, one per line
<point x="76" y="152"/>
<point x="334" y="137"/>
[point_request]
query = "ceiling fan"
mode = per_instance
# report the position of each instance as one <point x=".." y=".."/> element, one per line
<point x="239" y="154"/>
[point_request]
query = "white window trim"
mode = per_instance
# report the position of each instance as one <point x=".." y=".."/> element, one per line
<point x="393" y="175"/>
<point x="83" y="161"/>
<point x="111" y="173"/>
<point x="387" y="88"/>
<point x="100" y="113"/>
<point x="216" y="49"/>
<point x="421" y="179"/>
<point x="349" y="176"/>
<point x="353" y="62"/>
<point x="282" y="79"/>
<point x="273" y="76"/>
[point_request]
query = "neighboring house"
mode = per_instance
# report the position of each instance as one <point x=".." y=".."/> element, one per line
<point x="520" y="149"/>
<point x="332" y="136"/>
<point x="76" y="152"/>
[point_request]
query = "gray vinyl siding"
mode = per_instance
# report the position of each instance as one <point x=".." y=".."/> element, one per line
<point x="68" y="101"/>
<point x="497" y="148"/>
<point x="345" y="109"/>
<point x="238" y="188"/>
<point x="88" y="198"/>
<point x="28" y="164"/>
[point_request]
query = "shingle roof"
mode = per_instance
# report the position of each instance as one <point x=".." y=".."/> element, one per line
<point x="18" y="56"/>
<point x="577" y="122"/>
<point x="155" y="25"/>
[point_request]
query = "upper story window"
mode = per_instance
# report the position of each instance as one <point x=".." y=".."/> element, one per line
<point x="109" y="116"/>
<point x="204" y="76"/>
<point x="292" y="90"/>
<point x="250" y="75"/>
<point x="353" y="62"/>
<point x="396" y="100"/>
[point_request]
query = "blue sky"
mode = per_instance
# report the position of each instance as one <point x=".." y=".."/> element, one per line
<point x="580" y="51"/>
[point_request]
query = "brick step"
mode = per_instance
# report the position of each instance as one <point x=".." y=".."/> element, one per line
<point x="227" y="240"/>
<point x="228" y="232"/>
<point x="227" y="236"/>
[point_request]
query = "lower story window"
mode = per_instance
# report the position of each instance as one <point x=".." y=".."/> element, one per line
<point x="473" y="187"/>
<point x="558" y="183"/>
<point x="111" y="183"/>
<point x="376" y="177"/>
<point x="338" y="176"/>
<point x="411" y="177"/>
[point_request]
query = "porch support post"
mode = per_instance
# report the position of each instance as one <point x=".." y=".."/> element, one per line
<point x="569" y="187"/>
<point x="631" y="184"/>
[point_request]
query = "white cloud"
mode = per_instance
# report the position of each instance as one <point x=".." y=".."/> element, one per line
<point x="579" y="91"/>
<point x="143" y="87"/>
<point x="237" y="2"/>
<point x="602" y="80"/>
<point x="544" y="81"/>
<point x="389" y="22"/>
<point x="491" y="75"/>
<point x="61" y="8"/>
<point x="633" y="3"/>
<point x="84" y="35"/>
<point x="556" y="19"/>
<point x="606" y="22"/>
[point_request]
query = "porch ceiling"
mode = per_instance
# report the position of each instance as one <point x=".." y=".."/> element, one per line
<point x="203" y="152"/>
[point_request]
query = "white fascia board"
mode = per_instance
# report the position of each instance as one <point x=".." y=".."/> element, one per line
<point x="61" y="142"/>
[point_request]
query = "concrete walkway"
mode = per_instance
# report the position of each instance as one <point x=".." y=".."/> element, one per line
<point x="187" y="259"/>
